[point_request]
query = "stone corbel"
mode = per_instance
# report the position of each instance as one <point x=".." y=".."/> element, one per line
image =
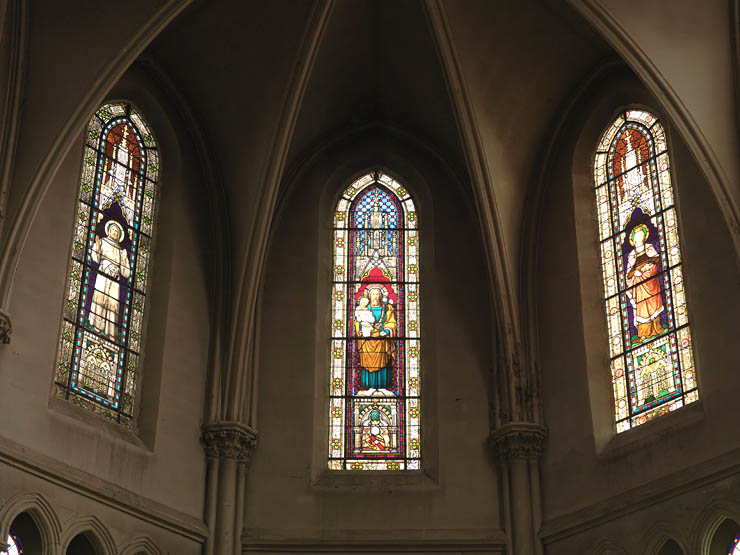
<point x="6" y="328"/>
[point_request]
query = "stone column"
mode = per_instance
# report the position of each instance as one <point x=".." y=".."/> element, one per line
<point x="517" y="447"/>
<point x="228" y="445"/>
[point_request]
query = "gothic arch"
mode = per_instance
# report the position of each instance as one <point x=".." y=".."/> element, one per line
<point x="138" y="546"/>
<point x="707" y="522"/>
<point x="96" y="532"/>
<point x="657" y="537"/>
<point x="42" y="513"/>
<point x="608" y="547"/>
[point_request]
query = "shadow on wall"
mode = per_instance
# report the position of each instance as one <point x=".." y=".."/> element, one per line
<point x="81" y="545"/>
<point x="670" y="547"/>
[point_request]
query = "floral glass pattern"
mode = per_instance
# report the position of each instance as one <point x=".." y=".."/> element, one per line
<point x="16" y="548"/>
<point x="652" y="360"/>
<point x="103" y="315"/>
<point x="375" y="352"/>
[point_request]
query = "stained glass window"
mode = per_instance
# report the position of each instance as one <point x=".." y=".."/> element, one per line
<point x="652" y="361"/>
<point x="735" y="547"/>
<point x="15" y="544"/>
<point x="103" y="316"/>
<point x="375" y="375"/>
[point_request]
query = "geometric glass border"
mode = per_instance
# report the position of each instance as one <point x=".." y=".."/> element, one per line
<point x="99" y="350"/>
<point x="651" y="353"/>
<point x="375" y="417"/>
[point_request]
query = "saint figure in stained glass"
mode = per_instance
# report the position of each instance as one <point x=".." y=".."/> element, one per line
<point x="102" y="326"/>
<point x="649" y="338"/>
<point x="375" y="351"/>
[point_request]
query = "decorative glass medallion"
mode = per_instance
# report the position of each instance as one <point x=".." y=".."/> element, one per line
<point x="375" y="352"/>
<point x="15" y="544"/>
<point x="652" y="360"/>
<point x="103" y="316"/>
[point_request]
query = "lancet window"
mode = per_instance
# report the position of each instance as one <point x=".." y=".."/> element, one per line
<point x="101" y="340"/>
<point x="375" y="373"/>
<point x="650" y="346"/>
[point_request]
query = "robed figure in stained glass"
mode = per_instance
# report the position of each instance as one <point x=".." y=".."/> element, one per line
<point x="113" y="266"/>
<point x="375" y="322"/>
<point x="643" y="264"/>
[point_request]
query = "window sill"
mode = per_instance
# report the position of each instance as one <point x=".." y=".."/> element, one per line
<point x="652" y="432"/>
<point x="98" y="423"/>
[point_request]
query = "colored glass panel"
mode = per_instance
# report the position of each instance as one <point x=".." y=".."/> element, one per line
<point x="103" y="316"/>
<point x="375" y="351"/>
<point x="649" y="339"/>
<point x="15" y="544"/>
<point x="735" y="547"/>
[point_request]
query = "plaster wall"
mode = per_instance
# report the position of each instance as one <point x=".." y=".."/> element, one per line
<point x="589" y="473"/>
<point x="291" y="497"/>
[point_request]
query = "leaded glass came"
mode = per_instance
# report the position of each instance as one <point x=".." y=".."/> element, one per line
<point x="103" y="316"/>
<point x="375" y="374"/>
<point x="652" y="360"/>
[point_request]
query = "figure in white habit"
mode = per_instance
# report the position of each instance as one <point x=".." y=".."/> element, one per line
<point x="365" y="317"/>
<point x="112" y="265"/>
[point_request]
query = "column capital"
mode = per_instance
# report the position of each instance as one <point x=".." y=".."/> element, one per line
<point x="518" y="440"/>
<point x="229" y="440"/>
<point x="6" y="328"/>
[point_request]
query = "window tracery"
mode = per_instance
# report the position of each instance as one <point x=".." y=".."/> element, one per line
<point x="375" y="374"/>
<point x="103" y="318"/>
<point x="652" y="361"/>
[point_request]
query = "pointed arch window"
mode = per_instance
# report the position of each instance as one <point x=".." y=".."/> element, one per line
<point x="652" y="360"/>
<point x="103" y="317"/>
<point x="375" y="374"/>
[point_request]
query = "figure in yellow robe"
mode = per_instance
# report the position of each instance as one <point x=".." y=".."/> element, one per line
<point x="378" y="351"/>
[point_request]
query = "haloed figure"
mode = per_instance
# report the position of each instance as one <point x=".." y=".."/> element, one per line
<point x="645" y="294"/>
<point x="113" y="264"/>
<point x="377" y="351"/>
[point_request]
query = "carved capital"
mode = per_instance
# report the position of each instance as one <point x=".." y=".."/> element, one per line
<point x="229" y="440"/>
<point x="518" y="440"/>
<point x="6" y="327"/>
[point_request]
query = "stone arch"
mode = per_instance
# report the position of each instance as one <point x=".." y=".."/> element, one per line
<point x="139" y="545"/>
<point x="42" y="513"/>
<point x="660" y="541"/>
<point x="607" y="547"/>
<point x="94" y="530"/>
<point x="709" y="521"/>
